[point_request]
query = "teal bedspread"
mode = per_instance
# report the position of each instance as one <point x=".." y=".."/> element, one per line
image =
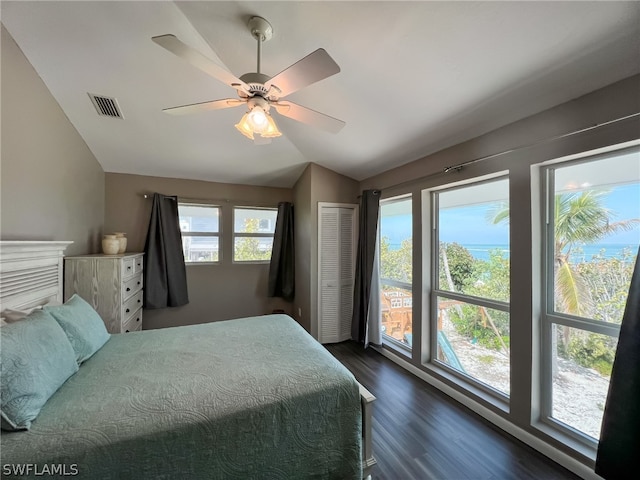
<point x="253" y="398"/>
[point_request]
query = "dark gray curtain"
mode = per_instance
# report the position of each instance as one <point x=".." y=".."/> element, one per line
<point x="368" y="232"/>
<point x="619" y="447"/>
<point x="165" y="276"/>
<point x="281" y="270"/>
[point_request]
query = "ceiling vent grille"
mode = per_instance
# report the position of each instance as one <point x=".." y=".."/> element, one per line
<point x="106" y="106"/>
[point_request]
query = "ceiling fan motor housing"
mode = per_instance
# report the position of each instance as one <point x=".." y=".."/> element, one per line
<point x="258" y="101"/>
<point x="256" y="83"/>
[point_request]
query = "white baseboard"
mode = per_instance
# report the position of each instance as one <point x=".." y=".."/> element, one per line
<point x="538" y="444"/>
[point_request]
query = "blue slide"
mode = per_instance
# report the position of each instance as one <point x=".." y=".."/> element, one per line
<point x="449" y="353"/>
<point x="445" y="346"/>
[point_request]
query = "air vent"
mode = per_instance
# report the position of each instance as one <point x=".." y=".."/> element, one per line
<point x="106" y="106"/>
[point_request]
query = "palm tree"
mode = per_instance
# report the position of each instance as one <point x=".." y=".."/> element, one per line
<point x="579" y="218"/>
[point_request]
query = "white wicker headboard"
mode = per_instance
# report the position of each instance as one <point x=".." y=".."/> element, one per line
<point x="30" y="273"/>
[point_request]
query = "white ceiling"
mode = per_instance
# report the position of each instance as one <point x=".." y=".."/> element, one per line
<point x="416" y="76"/>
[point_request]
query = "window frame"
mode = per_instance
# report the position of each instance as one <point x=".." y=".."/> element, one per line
<point x="468" y="382"/>
<point x="387" y="340"/>
<point x="235" y="235"/>
<point x="548" y="316"/>
<point x="217" y="234"/>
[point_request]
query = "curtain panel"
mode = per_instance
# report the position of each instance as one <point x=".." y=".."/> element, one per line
<point x="165" y="275"/>
<point x="365" y="261"/>
<point x="282" y="267"/>
<point x="619" y="445"/>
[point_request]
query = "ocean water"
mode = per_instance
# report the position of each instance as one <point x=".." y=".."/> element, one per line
<point x="578" y="254"/>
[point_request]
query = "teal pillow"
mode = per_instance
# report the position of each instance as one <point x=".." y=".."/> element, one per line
<point x="83" y="326"/>
<point x="35" y="360"/>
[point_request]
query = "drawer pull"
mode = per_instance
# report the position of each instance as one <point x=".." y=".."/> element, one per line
<point x="128" y="289"/>
<point x="126" y="311"/>
<point x="126" y="331"/>
<point x="129" y="267"/>
<point x="138" y="300"/>
<point x="138" y="264"/>
<point x="138" y="319"/>
<point x="138" y="283"/>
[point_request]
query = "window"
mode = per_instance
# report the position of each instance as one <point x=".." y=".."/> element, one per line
<point x="470" y="298"/>
<point x="396" y="257"/>
<point x="592" y="237"/>
<point x="200" y="226"/>
<point x="253" y="230"/>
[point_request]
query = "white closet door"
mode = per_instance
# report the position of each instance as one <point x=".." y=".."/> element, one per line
<point x="336" y="274"/>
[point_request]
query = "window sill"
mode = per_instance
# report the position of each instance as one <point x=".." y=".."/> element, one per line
<point x="486" y="395"/>
<point x="586" y="453"/>
<point x="396" y="347"/>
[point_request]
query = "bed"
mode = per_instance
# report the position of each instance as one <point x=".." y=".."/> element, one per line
<point x="248" y="398"/>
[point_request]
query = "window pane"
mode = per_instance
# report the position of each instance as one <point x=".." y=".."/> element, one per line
<point x="396" y="305"/>
<point x="195" y="218"/>
<point x="396" y="270"/>
<point x="200" y="249"/>
<point x="581" y="369"/>
<point x="396" y="240"/>
<point x="475" y="341"/>
<point x="248" y="220"/>
<point x="251" y="249"/>
<point x="596" y="236"/>
<point x="473" y="239"/>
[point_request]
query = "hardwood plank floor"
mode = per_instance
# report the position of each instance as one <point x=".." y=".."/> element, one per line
<point x="420" y="433"/>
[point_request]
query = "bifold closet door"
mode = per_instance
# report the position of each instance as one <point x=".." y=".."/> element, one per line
<point x="336" y="270"/>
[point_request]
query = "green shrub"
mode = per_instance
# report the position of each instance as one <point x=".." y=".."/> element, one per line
<point x="592" y="350"/>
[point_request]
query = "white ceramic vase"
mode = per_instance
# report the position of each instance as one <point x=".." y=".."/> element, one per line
<point x="110" y="245"/>
<point x="122" y="239"/>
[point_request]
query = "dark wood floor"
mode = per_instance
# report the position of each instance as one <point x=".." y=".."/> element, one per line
<point x="420" y="433"/>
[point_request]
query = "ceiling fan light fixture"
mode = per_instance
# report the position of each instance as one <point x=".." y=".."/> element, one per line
<point x="244" y="127"/>
<point x="258" y="122"/>
<point x="257" y="119"/>
<point x="272" y="129"/>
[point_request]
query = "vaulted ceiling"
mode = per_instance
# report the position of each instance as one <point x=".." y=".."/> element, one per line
<point x="416" y="77"/>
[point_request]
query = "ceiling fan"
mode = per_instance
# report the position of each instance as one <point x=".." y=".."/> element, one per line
<point x="258" y="91"/>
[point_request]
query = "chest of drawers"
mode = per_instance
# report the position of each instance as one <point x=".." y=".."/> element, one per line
<point x="112" y="284"/>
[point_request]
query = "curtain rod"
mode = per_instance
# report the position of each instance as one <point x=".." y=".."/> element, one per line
<point x="460" y="166"/>
<point x="213" y="201"/>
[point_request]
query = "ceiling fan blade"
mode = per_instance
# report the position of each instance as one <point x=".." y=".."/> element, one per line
<point x="195" y="58"/>
<point x="311" y="69"/>
<point x="308" y="116"/>
<point x="204" y="106"/>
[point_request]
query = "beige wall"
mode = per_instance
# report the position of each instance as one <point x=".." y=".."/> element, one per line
<point x="302" y="229"/>
<point x="216" y="292"/>
<point x="317" y="184"/>
<point x="52" y="187"/>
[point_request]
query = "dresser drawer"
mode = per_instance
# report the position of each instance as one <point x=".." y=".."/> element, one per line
<point x="131" y="286"/>
<point x="131" y="305"/>
<point x="133" y="323"/>
<point x="128" y="267"/>
<point x="138" y="264"/>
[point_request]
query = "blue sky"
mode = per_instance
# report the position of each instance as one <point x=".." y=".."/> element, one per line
<point x="468" y="225"/>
